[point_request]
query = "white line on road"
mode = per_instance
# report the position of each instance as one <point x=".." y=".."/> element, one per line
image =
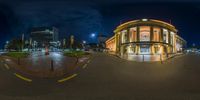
<point x="7" y="67"/>
<point x="84" y="66"/>
<point x="88" y="61"/>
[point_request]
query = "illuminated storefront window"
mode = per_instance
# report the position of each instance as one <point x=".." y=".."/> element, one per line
<point x="144" y="49"/>
<point x="165" y="36"/>
<point x="156" y="34"/>
<point x="157" y="49"/>
<point x="131" y="49"/>
<point x="144" y="33"/>
<point x="133" y="34"/>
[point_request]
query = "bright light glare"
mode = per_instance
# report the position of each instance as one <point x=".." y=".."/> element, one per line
<point x="93" y="35"/>
<point x="144" y="19"/>
<point x="54" y="54"/>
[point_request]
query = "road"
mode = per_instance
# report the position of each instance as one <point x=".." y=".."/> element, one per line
<point x="107" y="77"/>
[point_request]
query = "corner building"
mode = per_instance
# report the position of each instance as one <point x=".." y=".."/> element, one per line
<point x="151" y="38"/>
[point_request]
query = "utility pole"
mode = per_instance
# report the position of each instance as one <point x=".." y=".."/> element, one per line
<point x="22" y="41"/>
<point x="30" y="44"/>
<point x="64" y="43"/>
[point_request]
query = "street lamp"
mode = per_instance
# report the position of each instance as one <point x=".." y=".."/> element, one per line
<point x="84" y="42"/>
<point x="7" y="42"/>
<point x="92" y="35"/>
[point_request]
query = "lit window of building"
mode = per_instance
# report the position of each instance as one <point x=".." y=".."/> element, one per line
<point x="156" y="34"/>
<point x="124" y="36"/>
<point x="165" y="36"/>
<point x="144" y="33"/>
<point x="133" y="34"/>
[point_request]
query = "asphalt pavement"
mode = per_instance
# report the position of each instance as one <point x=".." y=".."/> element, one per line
<point x="106" y="77"/>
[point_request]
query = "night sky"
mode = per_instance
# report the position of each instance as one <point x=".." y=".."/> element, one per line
<point x="100" y="17"/>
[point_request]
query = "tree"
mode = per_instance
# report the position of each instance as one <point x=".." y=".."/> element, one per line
<point x="15" y="44"/>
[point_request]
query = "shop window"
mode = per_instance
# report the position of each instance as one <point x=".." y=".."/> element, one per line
<point x="144" y="49"/>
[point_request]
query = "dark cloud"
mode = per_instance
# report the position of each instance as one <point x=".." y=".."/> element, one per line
<point x="184" y="16"/>
<point x="8" y="23"/>
<point x="95" y="16"/>
<point x="69" y="17"/>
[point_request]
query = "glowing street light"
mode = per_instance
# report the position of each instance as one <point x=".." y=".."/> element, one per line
<point x="93" y="35"/>
<point x="7" y="42"/>
<point x="84" y="42"/>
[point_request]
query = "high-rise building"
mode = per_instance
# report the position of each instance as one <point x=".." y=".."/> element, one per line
<point x="42" y="36"/>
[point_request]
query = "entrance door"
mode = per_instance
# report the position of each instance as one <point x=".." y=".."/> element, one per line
<point x="144" y="49"/>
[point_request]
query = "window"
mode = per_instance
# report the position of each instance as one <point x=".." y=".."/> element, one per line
<point x="165" y="35"/>
<point x="131" y="49"/>
<point x="133" y="34"/>
<point x="144" y="49"/>
<point x="156" y="34"/>
<point x="144" y="33"/>
<point x="157" y="49"/>
<point x="124" y="36"/>
<point x="172" y="38"/>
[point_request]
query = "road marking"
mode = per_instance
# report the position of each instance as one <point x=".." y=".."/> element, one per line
<point x="67" y="78"/>
<point x="23" y="78"/>
<point x="7" y="67"/>
<point x="88" y="61"/>
<point x="7" y="60"/>
<point x="84" y="66"/>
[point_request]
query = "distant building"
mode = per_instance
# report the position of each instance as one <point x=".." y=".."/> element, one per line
<point x="102" y="39"/>
<point x="93" y="47"/>
<point x="42" y="36"/>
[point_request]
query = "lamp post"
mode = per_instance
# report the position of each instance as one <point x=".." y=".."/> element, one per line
<point x="6" y="46"/>
<point x="71" y="41"/>
<point x="83" y="44"/>
<point x="22" y="42"/>
<point x="64" y="43"/>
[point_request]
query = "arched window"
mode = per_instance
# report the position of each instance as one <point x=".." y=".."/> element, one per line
<point x="156" y="34"/>
<point x="133" y="34"/>
<point x="144" y="33"/>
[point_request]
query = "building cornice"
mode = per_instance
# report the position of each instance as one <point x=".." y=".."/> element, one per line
<point x="148" y="22"/>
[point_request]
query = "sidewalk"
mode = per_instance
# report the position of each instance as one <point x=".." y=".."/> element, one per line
<point x="146" y="57"/>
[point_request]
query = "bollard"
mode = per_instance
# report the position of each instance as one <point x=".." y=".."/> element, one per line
<point x="18" y="61"/>
<point x="143" y="58"/>
<point x="52" y="68"/>
<point x="161" y="59"/>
